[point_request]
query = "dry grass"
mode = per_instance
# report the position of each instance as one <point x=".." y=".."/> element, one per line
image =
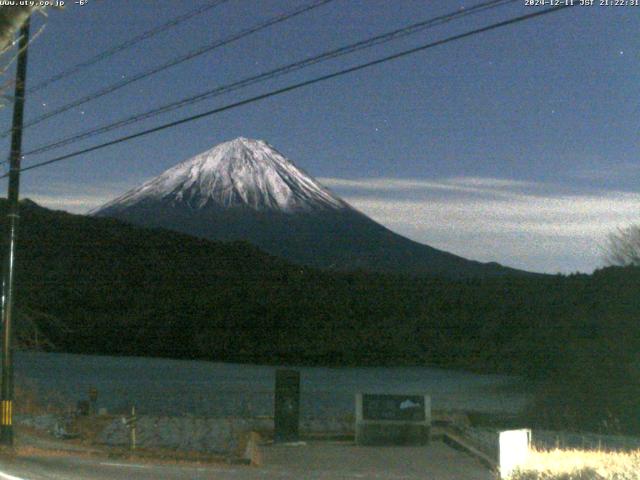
<point x="580" y="465"/>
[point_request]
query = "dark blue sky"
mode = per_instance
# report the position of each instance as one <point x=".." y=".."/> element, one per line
<point x="519" y="145"/>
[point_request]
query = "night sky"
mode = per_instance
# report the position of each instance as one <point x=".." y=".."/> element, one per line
<point x="519" y="145"/>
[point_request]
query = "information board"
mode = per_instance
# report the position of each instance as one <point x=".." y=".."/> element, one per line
<point x="393" y="407"/>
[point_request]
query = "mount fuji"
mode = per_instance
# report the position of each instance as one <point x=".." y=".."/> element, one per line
<point x="246" y="190"/>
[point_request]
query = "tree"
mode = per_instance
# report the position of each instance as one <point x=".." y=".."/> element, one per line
<point x="623" y="246"/>
<point x="11" y="19"/>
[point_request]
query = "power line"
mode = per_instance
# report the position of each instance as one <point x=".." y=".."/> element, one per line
<point x="364" y="44"/>
<point x="299" y="85"/>
<point x="125" y="45"/>
<point x="227" y="40"/>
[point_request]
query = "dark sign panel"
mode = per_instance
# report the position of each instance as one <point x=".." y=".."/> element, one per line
<point x="393" y="407"/>
<point x="287" y="405"/>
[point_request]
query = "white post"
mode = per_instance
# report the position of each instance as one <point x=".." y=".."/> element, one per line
<point x="514" y="450"/>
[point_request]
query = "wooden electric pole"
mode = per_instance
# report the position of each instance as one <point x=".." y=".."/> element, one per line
<point x="6" y="389"/>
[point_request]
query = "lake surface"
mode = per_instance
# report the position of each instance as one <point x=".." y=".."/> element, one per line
<point x="181" y="387"/>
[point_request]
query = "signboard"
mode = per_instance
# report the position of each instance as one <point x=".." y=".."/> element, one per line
<point x="393" y="407"/>
<point x="287" y="405"/>
<point x="393" y="419"/>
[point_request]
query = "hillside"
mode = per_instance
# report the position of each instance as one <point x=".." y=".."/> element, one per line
<point x="120" y="289"/>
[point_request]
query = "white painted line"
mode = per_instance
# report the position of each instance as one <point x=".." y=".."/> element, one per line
<point x="6" y="476"/>
<point x="129" y="465"/>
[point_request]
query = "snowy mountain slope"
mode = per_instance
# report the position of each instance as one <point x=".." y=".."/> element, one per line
<point x="246" y="190"/>
<point x="241" y="172"/>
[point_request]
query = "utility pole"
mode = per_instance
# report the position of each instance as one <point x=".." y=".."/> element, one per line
<point x="6" y="389"/>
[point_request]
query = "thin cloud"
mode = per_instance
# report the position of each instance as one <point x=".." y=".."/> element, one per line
<point x="456" y="184"/>
<point x="72" y="204"/>
<point x="75" y="198"/>
<point x="601" y="170"/>
<point x="531" y="225"/>
<point x="548" y="233"/>
<point x="575" y="215"/>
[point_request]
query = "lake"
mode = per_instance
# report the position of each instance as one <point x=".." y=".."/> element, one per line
<point x="181" y="387"/>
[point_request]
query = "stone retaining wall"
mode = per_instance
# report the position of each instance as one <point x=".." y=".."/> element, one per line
<point x="185" y="433"/>
<point x="208" y="435"/>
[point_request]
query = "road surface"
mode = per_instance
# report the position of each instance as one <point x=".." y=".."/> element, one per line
<point x="309" y="461"/>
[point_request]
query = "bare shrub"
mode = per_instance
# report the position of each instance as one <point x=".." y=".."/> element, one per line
<point x="12" y="18"/>
<point x="580" y="465"/>
<point x="623" y="246"/>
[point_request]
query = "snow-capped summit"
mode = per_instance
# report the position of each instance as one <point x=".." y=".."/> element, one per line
<point x="246" y="190"/>
<point x="238" y="173"/>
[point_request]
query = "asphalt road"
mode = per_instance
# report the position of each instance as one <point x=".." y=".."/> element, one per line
<point x="313" y="461"/>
